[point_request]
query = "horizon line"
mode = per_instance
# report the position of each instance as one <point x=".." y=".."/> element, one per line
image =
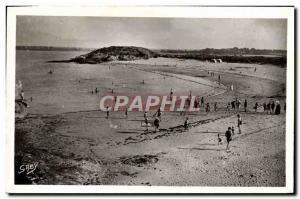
<point x="147" y="48"/>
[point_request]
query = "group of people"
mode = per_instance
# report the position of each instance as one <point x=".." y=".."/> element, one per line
<point x="230" y="132"/>
<point x="212" y="74"/>
<point x="272" y="107"/>
<point x="157" y="119"/>
<point x="236" y="105"/>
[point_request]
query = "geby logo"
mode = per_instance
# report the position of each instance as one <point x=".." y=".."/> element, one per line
<point x="28" y="168"/>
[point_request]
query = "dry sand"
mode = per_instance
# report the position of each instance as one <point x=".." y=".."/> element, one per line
<point x="86" y="148"/>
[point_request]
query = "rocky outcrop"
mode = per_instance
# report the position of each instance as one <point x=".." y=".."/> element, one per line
<point x="122" y="53"/>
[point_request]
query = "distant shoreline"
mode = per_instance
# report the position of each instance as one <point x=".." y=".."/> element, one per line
<point x="51" y="48"/>
<point x="230" y="55"/>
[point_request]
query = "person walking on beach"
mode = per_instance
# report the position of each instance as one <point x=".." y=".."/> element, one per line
<point x="277" y="108"/>
<point x="245" y="105"/>
<point x="171" y="93"/>
<point x="196" y="103"/>
<point x="233" y="105"/>
<point x="238" y="104"/>
<point x="272" y="106"/>
<point x="202" y="101"/>
<point x="207" y="108"/>
<point x="232" y="130"/>
<point x="158" y="114"/>
<point x="239" y="125"/>
<point x="126" y="112"/>
<point x="227" y="108"/>
<point x="107" y="112"/>
<point x="269" y="108"/>
<point x="216" y="107"/>
<point x="228" y="136"/>
<point x="156" y="123"/>
<point x="186" y="124"/>
<point x="265" y="107"/>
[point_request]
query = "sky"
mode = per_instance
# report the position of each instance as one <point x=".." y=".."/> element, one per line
<point x="153" y="33"/>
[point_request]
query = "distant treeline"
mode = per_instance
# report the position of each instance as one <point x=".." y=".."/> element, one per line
<point x="228" y="51"/>
<point x="231" y="55"/>
<point x="279" y="61"/>
<point x="52" y="48"/>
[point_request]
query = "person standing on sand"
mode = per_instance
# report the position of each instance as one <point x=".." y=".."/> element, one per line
<point x="202" y="101"/>
<point x="272" y="106"/>
<point x="228" y="137"/>
<point x="228" y="108"/>
<point x="232" y="129"/>
<point x="107" y="112"/>
<point x="277" y="109"/>
<point x="265" y="107"/>
<point x="171" y="94"/>
<point x="216" y="107"/>
<point x="269" y="108"/>
<point x="196" y="103"/>
<point x="158" y="112"/>
<point x="156" y="123"/>
<point x="233" y="105"/>
<point x="186" y="124"/>
<point x="238" y="104"/>
<point x="239" y="125"/>
<point x="245" y="105"/>
<point x="284" y="108"/>
<point x="207" y="108"/>
<point x="126" y="112"/>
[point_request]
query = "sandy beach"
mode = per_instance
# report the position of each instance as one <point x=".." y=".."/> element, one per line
<point x="77" y="144"/>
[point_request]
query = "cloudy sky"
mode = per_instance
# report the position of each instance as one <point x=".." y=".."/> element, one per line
<point x="155" y="33"/>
